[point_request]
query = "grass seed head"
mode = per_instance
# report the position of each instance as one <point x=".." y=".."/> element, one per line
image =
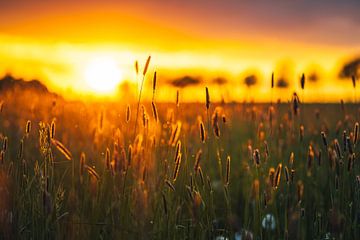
<point x="177" y="167"/>
<point x="311" y="156"/>
<point x="202" y="132"/>
<point x="137" y="67"/>
<point x="296" y="102"/>
<point x="291" y="159"/>
<point x="62" y="149"/>
<point x="92" y="172"/>
<point x="154" y="85"/>
<point x="227" y="180"/>
<point x="197" y="160"/>
<point x="277" y="176"/>
<point x="155" y="112"/>
<point x="256" y="157"/>
<point x="28" y="127"/>
<point x="207" y="103"/>
<point x="128" y="114"/>
<point x="292" y="175"/>
<point x="177" y="98"/>
<point x="302" y="81"/>
<point x="287" y="175"/>
<point x="107" y="158"/>
<point x="146" y="65"/>
<point x="177" y="150"/>
<point x="52" y="129"/>
<point x="223" y="117"/>
<point x="356" y="133"/>
<point x="338" y="149"/>
<point x="271" y="176"/>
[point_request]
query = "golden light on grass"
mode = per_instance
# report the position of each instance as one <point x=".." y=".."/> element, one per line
<point x="94" y="142"/>
<point x="103" y="74"/>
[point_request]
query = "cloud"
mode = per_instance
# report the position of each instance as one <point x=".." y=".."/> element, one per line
<point x="322" y="21"/>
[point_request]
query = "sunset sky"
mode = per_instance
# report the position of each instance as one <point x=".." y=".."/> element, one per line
<point x="60" y="42"/>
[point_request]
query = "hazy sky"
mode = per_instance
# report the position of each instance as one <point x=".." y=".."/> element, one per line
<point x="56" y="41"/>
<point x="321" y="21"/>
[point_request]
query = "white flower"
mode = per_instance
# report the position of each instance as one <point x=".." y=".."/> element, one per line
<point x="268" y="222"/>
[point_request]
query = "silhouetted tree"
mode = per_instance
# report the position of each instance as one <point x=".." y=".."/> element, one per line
<point x="282" y="83"/>
<point x="350" y="69"/>
<point x="313" y="77"/>
<point x="250" y="80"/>
<point x="10" y="82"/>
<point x="219" y="81"/>
<point x="185" y="81"/>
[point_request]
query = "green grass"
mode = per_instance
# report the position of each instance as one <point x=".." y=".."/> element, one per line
<point x="43" y="196"/>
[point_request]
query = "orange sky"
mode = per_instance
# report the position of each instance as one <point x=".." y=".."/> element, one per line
<point x="57" y="41"/>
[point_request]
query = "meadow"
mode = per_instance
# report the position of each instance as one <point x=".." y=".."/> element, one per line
<point x="94" y="170"/>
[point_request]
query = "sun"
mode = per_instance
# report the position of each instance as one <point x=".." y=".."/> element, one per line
<point x="103" y="75"/>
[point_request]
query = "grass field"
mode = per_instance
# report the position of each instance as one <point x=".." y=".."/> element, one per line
<point x="73" y="170"/>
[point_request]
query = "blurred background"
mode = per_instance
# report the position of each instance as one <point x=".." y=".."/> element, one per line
<point x="88" y="49"/>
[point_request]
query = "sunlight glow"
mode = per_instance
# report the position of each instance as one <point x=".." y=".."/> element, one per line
<point x="103" y="75"/>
